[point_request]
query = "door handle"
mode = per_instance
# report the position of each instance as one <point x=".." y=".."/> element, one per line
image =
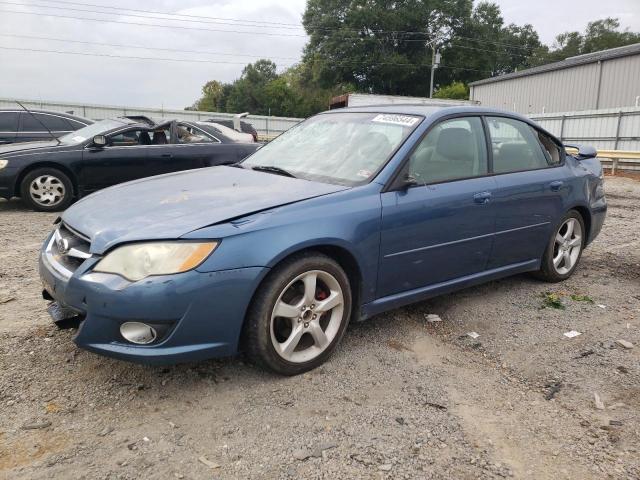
<point x="167" y="155"/>
<point x="482" y="198"/>
<point x="557" y="185"/>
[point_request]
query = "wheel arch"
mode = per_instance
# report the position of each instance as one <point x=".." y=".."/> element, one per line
<point x="585" y="213"/>
<point x="57" y="166"/>
<point x="339" y="253"/>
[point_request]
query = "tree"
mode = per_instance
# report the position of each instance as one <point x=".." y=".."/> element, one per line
<point x="454" y="91"/>
<point x="599" y="35"/>
<point x="212" y="96"/>
<point x="387" y="48"/>
<point x="378" y="46"/>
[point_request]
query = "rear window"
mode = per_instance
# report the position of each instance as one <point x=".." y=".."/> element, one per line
<point x="515" y="146"/>
<point x="8" y="121"/>
<point x="52" y="122"/>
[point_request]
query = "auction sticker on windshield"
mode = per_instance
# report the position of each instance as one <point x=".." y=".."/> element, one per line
<point x="404" y="120"/>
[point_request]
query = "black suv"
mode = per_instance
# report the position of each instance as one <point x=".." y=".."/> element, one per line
<point x="21" y="126"/>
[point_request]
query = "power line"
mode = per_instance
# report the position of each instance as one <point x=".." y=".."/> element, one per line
<point x="175" y="14"/>
<point x="181" y="27"/>
<point x="120" y="45"/>
<point x="120" y="12"/>
<point x="204" y="52"/>
<point x="85" y="54"/>
<point x="254" y="23"/>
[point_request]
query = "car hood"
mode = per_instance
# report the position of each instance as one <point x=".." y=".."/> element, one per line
<point x="25" y="147"/>
<point x="172" y="205"/>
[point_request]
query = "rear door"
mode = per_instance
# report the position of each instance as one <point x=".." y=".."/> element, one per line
<point x="532" y="183"/>
<point x="442" y="228"/>
<point x="8" y="126"/>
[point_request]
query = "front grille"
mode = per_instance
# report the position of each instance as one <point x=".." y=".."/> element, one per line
<point x="68" y="249"/>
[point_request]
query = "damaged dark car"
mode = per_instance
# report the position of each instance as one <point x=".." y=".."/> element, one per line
<point x="49" y="175"/>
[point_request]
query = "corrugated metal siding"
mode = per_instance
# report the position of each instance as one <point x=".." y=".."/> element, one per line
<point x="568" y="89"/>
<point x="620" y="82"/>
<point x="264" y="125"/>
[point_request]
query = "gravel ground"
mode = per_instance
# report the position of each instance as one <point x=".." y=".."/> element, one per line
<point x="402" y="397"/>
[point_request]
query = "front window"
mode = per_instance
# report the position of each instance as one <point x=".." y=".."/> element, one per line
<point x="452" y="150"/>
<point x="90" y="131"/>
<point x="341" y="148"/>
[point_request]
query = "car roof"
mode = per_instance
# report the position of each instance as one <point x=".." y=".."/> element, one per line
<point x="429" y="110"/>
<point x="433" y="113"/>
<point x="49" y="112"/>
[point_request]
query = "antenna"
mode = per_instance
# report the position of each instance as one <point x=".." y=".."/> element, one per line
<point x="38" y="120"/>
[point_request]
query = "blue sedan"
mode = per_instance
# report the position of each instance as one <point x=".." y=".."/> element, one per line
<point x="347" y="215"/>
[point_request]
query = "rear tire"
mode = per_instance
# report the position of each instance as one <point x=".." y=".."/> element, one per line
<point x="298" y="315"/>
<point x="46" y="190"/>
<point x="564" y="250"/>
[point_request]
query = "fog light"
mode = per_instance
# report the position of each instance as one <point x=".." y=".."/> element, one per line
<point x="139" y="333"/>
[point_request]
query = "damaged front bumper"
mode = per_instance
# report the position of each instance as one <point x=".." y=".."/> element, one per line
<point x="199" y="314"/>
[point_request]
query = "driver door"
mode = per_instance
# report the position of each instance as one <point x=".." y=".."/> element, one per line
<point x="441" y="229"/>
<point x="124" y="158"/>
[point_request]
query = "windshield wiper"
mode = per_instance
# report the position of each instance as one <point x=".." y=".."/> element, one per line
<point x="271" y="169"/>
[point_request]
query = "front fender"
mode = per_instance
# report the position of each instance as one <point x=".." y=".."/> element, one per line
<point x="349" y="220"/>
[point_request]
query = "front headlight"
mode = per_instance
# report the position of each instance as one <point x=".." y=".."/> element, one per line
<point x="141" y="260"/>
<point x="3" y="163"/>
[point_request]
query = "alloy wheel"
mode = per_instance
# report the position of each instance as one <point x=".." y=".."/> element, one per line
<point x="307" y="316"/>
<point x="567" y="246"/>
<point x="47" y="190"/>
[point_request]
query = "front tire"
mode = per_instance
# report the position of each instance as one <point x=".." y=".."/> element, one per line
<point x="564" y="249"/>
<point x="299" y="314"/>
<point x="47" y="190"/>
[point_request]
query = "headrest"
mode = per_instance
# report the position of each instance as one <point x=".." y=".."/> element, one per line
<point x="455" y="144"/>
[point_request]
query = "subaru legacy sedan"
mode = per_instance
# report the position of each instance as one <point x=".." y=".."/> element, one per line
<point x="347" y="215"/>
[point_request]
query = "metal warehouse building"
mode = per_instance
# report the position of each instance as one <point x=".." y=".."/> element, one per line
<point x="600" y="80"/>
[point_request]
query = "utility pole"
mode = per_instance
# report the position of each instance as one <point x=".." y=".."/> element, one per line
<point x="435" y="62"/>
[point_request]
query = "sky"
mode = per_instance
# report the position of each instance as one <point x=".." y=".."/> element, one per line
<point x="27" y="73"/>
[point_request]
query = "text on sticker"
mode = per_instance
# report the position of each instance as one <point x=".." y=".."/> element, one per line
<point x="404" y="120"/>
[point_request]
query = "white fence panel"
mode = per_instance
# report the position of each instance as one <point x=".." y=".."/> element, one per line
<point x="267" y="126"/>
<point x="613" y="129"/>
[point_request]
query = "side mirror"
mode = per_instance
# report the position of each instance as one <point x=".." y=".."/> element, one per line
<point x="99" y="141"/>
<point x="581" y="152"/>
<point x="408" y="181"/>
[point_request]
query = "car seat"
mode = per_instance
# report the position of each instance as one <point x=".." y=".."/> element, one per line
<point x="159" y="138"/>
<point x="144" y="138"/>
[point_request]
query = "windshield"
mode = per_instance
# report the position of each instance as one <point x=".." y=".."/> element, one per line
<point x="342" y="148"/>
<point x="91" y="131"/>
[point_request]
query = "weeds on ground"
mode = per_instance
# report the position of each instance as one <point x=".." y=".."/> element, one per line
<point x="582" y="298"/>
<point x="552" y="300"/>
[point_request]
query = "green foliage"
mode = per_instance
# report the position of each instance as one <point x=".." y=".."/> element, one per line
<point x="552" y="300"/>
<point x="382" y="47"/>
<point x="581" y="298"/>
<point x="599" y="35"/>
<point x="454" y="91"/>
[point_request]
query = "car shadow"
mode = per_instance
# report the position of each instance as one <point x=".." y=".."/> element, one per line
<point x="237" y="372"/>
<point x="13" y="205"/>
